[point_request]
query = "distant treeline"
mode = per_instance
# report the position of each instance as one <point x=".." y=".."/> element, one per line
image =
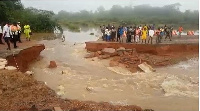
<point x="142" y="14"/>
<point x="39" y="20"/>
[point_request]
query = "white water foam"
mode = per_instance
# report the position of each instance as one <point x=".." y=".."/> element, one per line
<point x="173" y="85"/>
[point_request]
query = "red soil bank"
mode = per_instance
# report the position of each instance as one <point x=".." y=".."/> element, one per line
<point x="160" y="49"/>
<point x="25" y="57"/>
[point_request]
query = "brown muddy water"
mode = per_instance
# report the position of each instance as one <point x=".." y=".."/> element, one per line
<point x="172" y="88"/>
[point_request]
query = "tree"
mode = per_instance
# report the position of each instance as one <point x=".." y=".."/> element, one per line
<point x="40" y="20"/>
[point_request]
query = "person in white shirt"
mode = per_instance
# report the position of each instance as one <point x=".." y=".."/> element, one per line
<point x="140" y="27"/>
<point x="7" y="35"/>
<point x="151" y="34"/>
<point x="1" y="34"/>
<point x="108" y="33"/>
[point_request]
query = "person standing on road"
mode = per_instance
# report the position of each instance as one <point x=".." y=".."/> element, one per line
<point x="121" y="34"/>
<point x="7" y="35"/>
<point x="113" y="33"/>
<point x="144" y="35"/>
<point x="137" y="34"/>
<point x="27" y="32"/>
<point x="1" y="34"/>
<point x="19" y="32"/>
<point x="180" y="30"/>
<point x="162" y="33"/>
<point x="151" y="34"/>
<point x="158" y="38"/>
<point x="168" y="34"/>
<point x="124" y="38"/>
<point x="14" y="30"/>
<point x="118" y="33"/>
<point x="165" y="29"/>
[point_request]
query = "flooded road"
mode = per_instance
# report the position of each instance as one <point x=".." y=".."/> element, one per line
<point x="172" y="88"/>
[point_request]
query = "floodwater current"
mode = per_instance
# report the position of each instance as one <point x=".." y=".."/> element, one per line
<point x="172" y="88"/>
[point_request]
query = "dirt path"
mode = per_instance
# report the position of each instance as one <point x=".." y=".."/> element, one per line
<point x="22" y="45"/>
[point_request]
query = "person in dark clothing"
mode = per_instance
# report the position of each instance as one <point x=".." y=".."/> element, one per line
<point x="118" y="33"/>
<point x="113" y="34"/>
<point x="165" y="29"/>
<point x="128" y="35"/>
<point x="168" y="34"/>
<point x="1" y="33"/>
<point x="109" y="26"/>
<point x="103" y="32"/>
<point x="133" y="35"/>
<point x="129" y="31"/>
<point x="19" y="32"/>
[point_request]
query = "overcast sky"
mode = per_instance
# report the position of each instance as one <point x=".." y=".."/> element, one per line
<point x="77" y="5"/>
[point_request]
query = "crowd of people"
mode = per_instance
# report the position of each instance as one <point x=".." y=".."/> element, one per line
<point x="11" y="33"/>
<point x="137" y="34"/>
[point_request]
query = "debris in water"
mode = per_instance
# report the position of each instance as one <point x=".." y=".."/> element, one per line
<point x="10" y="68"/>
<point x="90" y="89"/>
<point x="30" y="73"/>
<point x="61" y="91"/>
<point x="146" y="67"/>
<point x="65" y="72"/>
<point x="91" y="33"/>
<point x="52" y="64"/>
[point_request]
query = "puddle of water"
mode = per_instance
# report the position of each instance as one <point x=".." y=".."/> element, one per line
<point x="84" y="79"/>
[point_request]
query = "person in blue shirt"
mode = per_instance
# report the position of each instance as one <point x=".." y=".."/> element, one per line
<point x="121" y="32"/>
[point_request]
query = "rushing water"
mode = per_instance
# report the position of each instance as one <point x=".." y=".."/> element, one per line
<point x="172" y="88"/>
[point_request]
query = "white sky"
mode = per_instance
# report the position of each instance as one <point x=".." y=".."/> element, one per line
<point x="77" y="5"/>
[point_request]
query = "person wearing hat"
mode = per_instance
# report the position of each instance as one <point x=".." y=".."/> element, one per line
<point x="19" y="32"/>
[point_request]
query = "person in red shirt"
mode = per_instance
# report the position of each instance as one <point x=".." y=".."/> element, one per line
<point x="180" y="30"/>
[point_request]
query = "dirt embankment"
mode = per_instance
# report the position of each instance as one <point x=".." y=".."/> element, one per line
<point x="131" y="55"/>
<point x="19" y="92"/>
<point x="160" y="49"/>
<point x="25" y="57"/>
